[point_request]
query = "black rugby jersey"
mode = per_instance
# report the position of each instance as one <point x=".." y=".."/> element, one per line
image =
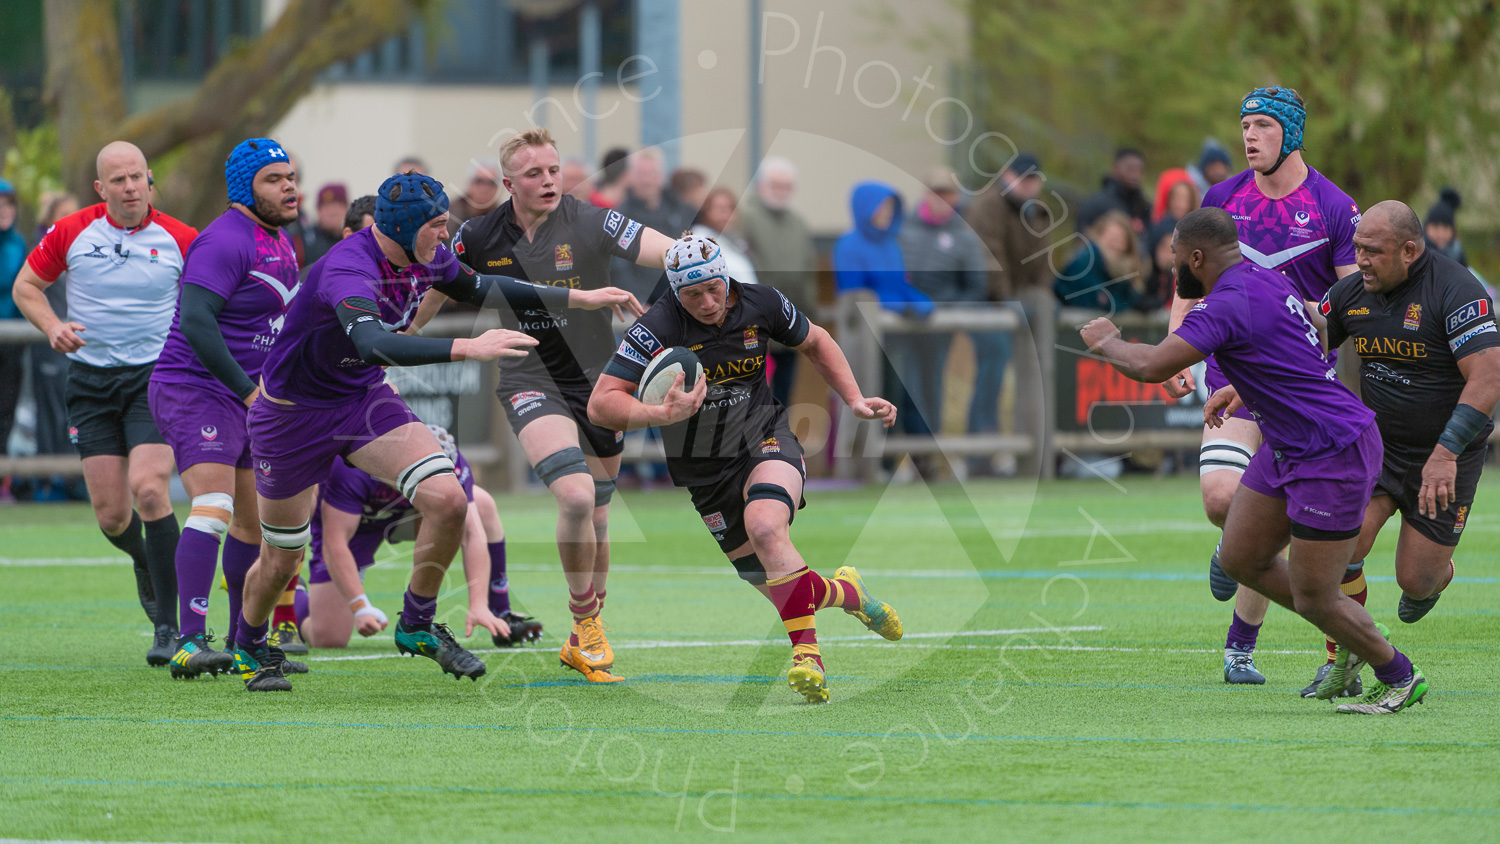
<point x="739" y="413"/>
<point x="572" y="249"/>
<point x="1409" y="342"/>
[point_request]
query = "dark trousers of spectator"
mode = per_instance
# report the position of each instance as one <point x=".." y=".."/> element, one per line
<point x="921" y="360"/>
<point x="785" y="375"/>
<point x="11" y="359"/>
<point x="49" y="385"/>
<point x="992" y="350"/>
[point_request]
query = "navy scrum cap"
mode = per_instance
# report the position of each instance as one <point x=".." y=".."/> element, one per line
<point x="404" y="203"/>
<point x="244" y="161"/>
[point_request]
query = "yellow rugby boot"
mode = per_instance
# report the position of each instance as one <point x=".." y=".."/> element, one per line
<point x="570" y="657"/>
<point x="807" y="678"/>
<point x="874" y="613"/>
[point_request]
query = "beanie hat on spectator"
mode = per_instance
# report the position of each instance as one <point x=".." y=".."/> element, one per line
<point x="7" y="189"/>
<point x="1444" y="211"/>
<point x="404" y="203"/>
<point x="1213" y="155"/>
<point x="694" y="259"/>
<point x="1280" y="104"/>
<point x="244" y="161"/>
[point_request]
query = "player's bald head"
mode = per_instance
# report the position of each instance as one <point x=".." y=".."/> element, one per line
<point x="1208" y="229"/>
<point x="1391" y="221"/>
<point x="117" y="154"/>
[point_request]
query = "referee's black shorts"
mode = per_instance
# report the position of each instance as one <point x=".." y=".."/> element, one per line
<point x="108" y="410"/>
<point x="1401" y="479"/>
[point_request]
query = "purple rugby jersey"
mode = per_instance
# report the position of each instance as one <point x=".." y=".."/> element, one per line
<point x="255" y="270"/>
<point x="316" y="364"/>
<point x="1304" y="235"/>
<point x="1256" y="326"/>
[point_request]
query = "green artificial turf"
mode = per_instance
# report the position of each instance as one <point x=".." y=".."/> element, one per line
<point x="1061" y="683"/>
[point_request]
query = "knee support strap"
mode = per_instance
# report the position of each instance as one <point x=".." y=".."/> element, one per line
<point x="567" y="461"/>
<point x="286" y="538"/>
<point x="1224" y="454"/>
<point x="211" y="513"/>
<point x="430" y="466"/>
<point x="603" y="491"/>
<point x="771" y="492"/>
<point x="750" y="569"/>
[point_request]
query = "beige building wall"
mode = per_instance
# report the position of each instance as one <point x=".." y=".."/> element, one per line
<point x="847" y="95"/>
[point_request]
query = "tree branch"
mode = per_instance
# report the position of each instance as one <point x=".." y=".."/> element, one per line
<point x="259" y="83"/>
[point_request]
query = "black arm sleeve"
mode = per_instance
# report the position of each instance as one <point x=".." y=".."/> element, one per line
<point x="498" y="291"/>
<point x="379" y="347"/>
<point x="200" y="327"/>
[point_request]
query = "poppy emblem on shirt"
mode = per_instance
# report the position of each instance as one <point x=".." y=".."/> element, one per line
<point x="210" y="433"/>
<point x="564" y="257"/>
<point x="1413" y="319"/>
<point x="751" y="339"/>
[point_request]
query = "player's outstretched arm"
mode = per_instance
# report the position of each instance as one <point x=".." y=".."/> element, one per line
<point x="828" y="359"/>
<point x="654" y="246"/>
<point x="338" y="532"/>
<point x="198" y="318"/>
<point x="613" y="404"/>
<point x="379" y="347"/>
<point x="500" y="291"/>
<point x="1139" y="361"/>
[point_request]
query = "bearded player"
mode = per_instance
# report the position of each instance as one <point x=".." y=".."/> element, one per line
<point x="323" y="396"/>
<point x="1294" y="221"/>
<point x="1307" y="490"/>
<point x="239" y="280"/>
<point x="547" y="237"/>
<point x="728" y="440"/>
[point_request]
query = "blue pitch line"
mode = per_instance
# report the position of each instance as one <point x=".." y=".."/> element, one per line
<point x="833" y="798"/>
<point x="215" y="722"/>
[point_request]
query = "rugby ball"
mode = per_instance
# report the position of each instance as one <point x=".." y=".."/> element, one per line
<point x="661" y="371"/>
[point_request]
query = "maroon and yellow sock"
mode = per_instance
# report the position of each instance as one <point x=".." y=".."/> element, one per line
<point x="599" y="594"/>
<point x="798" y="597"/>
<point x="583" y="605"/>
<point x="286" y="605"/>
<point x="1354" y="586"/>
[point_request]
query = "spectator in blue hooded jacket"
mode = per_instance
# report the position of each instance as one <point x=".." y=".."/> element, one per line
<point x="869" y="256"/>
<point x="12" y="256"/>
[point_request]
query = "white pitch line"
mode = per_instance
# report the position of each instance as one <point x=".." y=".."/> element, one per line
<point x="868" y="639"/>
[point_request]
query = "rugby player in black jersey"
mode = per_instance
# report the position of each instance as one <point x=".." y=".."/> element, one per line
<point x="728" y="440"/>
<point x="1425" y="332"/>
<point x="547" y="237"/>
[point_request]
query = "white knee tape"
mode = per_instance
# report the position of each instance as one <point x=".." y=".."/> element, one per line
<point x="286" y="538"/>
<point x="211" y="513"/>
<point x="436" y="463"/>
<point x="1224" y="454"/>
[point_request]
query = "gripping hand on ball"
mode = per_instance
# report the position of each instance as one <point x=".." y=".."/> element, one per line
<point x="680" y="404"/>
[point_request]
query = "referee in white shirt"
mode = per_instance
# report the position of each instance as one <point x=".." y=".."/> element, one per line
<point x="123" y="259"/>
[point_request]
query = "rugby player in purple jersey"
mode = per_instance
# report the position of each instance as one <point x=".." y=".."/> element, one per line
<point x="240" y="276"/>
<point x="323" y="396"/>
<point x="1293" y="220"/>
<point x="1308" y="488"/>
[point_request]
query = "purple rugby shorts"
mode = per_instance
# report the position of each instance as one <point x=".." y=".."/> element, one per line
<point x="293" y="447"/>
<point x="1326" y="494"/>
<point x="201" y="424"/>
